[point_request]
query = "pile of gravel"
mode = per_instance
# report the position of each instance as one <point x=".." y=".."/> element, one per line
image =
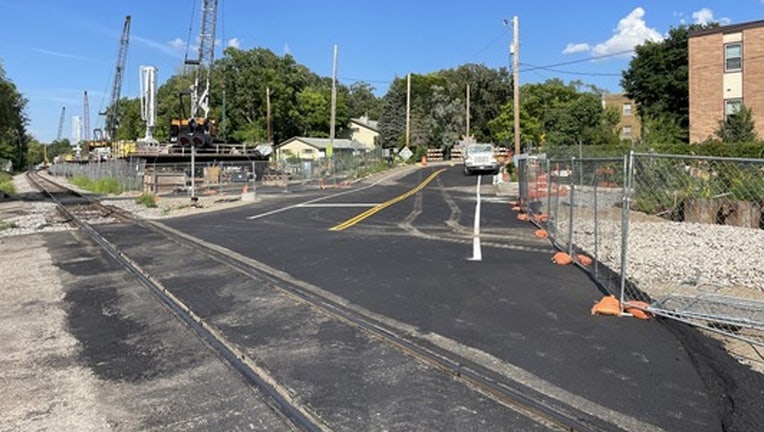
<point x="663" y="256"/>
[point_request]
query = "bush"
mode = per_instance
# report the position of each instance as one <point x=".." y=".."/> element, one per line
<point x="102" y="186"/>
<point x="6" y="183"/>
<point x="147" y="200"/>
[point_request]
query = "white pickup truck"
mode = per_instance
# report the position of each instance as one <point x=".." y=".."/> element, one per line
<point x="480" y="158"/>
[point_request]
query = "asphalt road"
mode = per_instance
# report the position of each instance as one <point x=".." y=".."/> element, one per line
<point x="513" y="311"/>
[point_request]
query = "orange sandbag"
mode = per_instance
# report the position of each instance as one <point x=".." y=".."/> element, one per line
<point x="637" y="309"/>
<point x="562" y="258"/>
<point x="584" y="260"/>
<point x="514" y="203"/>
<point x="609" y="305"/>
<point x="540" y="233"/>
<point x="516" y="208"/>
<point x="541" y="217"/>
<point x="522" y="217"/>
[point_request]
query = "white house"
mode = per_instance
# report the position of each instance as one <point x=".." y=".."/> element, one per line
<point x="315" y="148"/>
<point x="364" y="131"/>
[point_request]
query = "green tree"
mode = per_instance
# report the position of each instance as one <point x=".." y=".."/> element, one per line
<point x="738" y="127"/>
<point x="657" y="78"/>
<point x="130" y="126"/>
<point x="490" y="89"/>
<point x="392" y="121"/>
<point x="362" y="101"/>
<point x="662" y="130"/>
<point x="13" y="122"/>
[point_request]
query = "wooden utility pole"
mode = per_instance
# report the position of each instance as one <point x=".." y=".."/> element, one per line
<point x="269" y="129"/>
<point x="467" y="136"/>
<point x="408" y="108"/>
<point x="334" y="104"/>
<point x="516" y="80"/>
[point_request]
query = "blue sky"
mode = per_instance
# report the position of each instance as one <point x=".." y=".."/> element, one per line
<point x="54" y="50"/>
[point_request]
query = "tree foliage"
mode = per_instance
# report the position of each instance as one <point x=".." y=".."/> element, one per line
<point x="557" y="114"/>
<point x="13" y="122"/>
<point x="657" y="78"/>
<point x="738" y="127"/>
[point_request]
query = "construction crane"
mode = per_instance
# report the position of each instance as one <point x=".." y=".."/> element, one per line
<point x="86" y="117"/>
<point x="111" y="113"/>
<point x="198" y="129"/>
<point x="148" y="102"/>
<point x="60" y="133"/>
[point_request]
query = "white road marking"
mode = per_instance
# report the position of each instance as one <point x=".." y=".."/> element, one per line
<point x="319" y="199"/>
<point x="477" y="253"/>
<point x="329" y="205"/>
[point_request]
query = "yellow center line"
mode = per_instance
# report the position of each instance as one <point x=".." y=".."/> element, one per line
<point x="358" y="218"/>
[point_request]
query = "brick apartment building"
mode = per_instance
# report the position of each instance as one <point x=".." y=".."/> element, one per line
<point x="629" y="125"/>
<point x="726" y="70"/>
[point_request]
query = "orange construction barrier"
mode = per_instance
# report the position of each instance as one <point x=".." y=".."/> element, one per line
<point x="561" y="258"/>
<point x="609" y="305"/>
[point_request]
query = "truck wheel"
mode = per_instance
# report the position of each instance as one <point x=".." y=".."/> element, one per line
<point x="467" y="171"/>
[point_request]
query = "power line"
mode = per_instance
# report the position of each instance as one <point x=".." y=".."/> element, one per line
<point x="548" y="69"/>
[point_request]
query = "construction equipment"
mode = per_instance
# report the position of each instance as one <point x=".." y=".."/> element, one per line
<point x="86" y="117"/>
<point x="112" y="111"/>
<point x="60" y="133"/>
<point x="198" y="129"/>
<point x="148" y="102"/>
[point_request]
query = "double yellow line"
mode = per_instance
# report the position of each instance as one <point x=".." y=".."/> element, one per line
<point x="355" y="219"/>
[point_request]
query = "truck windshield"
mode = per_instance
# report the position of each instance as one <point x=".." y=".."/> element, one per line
<point x="486" y="148"/>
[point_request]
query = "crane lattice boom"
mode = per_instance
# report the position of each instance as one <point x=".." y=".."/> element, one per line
<point x="200" y="97"/>
<point x="60" y="133"/>
<point x="112" y="116"/>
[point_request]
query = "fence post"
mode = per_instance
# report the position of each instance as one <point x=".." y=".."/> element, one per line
<point x="572" y="204"/>
<point x="595" y="180"/>
<point x="628" y="177"/>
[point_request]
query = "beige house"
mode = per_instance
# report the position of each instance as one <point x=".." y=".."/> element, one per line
<point x="315" y="148"/>
<point x="629" y="125"/>
<point x="726" y="70"/>
<point x="364" y="131"/>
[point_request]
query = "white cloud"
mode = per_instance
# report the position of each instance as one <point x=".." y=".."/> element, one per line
<point x="235" y="43"/>
<point x="59" y="54"/>
<point x="169" y="48"/>
<point x="578" y="47"/>
<point x="706" y="16"/>
<point x="631" y="31"/>
<point x="177" y="43"/>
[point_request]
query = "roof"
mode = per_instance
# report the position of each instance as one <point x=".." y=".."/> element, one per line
<point x="323" y="143"/>
<point x="364" y="121"/>
<point x="728" y="29"/>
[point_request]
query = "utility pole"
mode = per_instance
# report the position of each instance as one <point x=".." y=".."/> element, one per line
<point x="268" y="114"/>
<point x="515" y="51"/>
<point x="408" y="108"/>
<point x="467" y="136"/>
<point x="330" y="149"/>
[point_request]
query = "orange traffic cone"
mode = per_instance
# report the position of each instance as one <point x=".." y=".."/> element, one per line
<point x="424" y="160"/>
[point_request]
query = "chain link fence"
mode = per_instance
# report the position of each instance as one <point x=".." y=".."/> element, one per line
<point x="680" y="233"/>
<point x="134" y="174"/>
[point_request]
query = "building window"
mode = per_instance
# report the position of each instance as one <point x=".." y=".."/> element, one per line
<point x="626" y="133"/>
<point x="627" y="110"/>
<point x="733" y="57"/>
<point x="732" y="106"/>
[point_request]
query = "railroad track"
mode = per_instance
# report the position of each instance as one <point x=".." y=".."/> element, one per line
<point x="544" y="410"/>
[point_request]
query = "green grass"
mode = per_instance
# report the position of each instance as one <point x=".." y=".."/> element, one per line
<point x="102" y="186"/>
<point x="7" y="225"/>
<point x="6" y="184"/>
<point x="147" y="200"/>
